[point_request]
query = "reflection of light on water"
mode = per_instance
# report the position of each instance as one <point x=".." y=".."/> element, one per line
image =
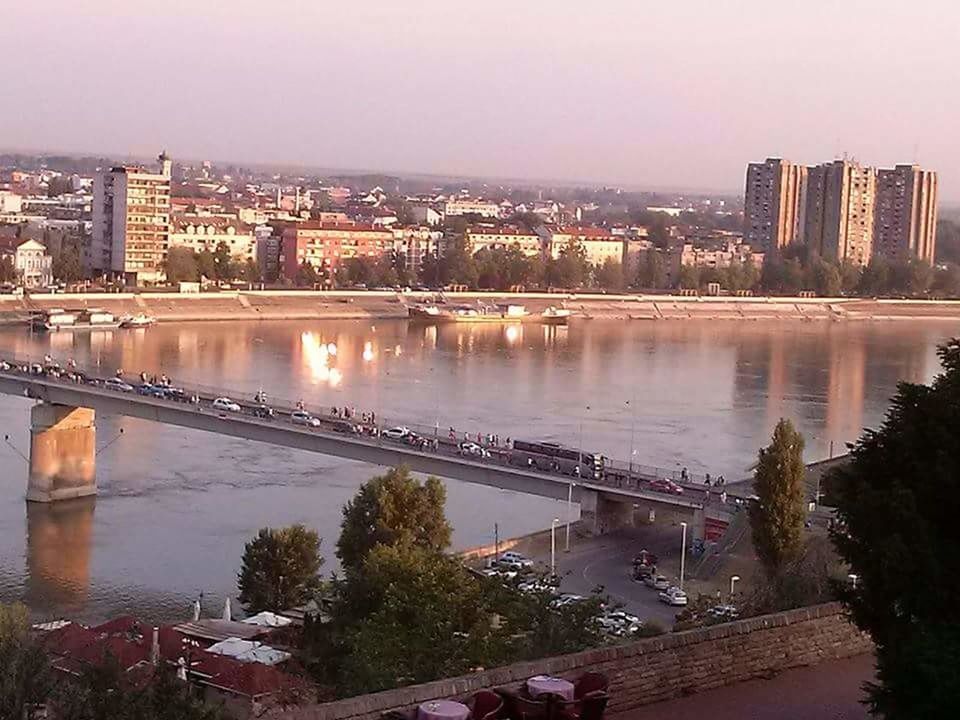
<point x="513" y="333"/>
<point x="368" y="351"/>
<point x="332" y="349"/>
<point x="317" y="356"/>
<point x="398" y="350"/>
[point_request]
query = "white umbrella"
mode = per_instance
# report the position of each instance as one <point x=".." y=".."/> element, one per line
<point x="227" y="614"/>
<point x="196" y="610"/>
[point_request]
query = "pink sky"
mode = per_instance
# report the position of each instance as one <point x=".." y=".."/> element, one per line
<point x="648" y="94"/>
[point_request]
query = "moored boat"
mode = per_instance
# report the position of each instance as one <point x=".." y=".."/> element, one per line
<point x="86" y="319"/>
<point x="138" y="321"/>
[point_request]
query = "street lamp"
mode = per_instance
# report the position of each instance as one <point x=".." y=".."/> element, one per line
<point x="853" y="577"/>
<point x="733" y="581"/>
<point x="683" y="551"/>
<point x="553" y="546"/>
<point x="633" y="427"/>
<point x="566" y="547"/>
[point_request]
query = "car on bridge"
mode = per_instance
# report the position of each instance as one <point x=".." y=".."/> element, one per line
<point x="665" y="486"/>
<point x="396" y="433"/>
<point x="117" y="384"/>
<point x="150" y="390"/>
<point x="225" y="403"/>
<point x="301" y="417"/>
<point x="472" y="448"/>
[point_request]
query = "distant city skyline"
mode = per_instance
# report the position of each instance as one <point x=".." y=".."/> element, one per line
<point x="625" y="94"/>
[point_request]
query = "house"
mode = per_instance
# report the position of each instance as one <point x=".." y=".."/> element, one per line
<point x="33" y="265"/>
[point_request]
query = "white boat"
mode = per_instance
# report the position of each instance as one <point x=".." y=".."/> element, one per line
<point x="138" y="321"/>
<point x="59" y="319"/>
<point x="556" y="316"/>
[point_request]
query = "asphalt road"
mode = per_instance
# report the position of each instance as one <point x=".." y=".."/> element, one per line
<point x="607" y="560"/>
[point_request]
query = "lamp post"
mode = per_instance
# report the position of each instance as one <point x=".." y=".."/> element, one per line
<point x="633" y="428"/>
<point x="566" y="545"/>
<point x="683" y="550"/>
<point x="733" y="581"/>
<point x="853" y="577"/>
<point x="553" y="546"/>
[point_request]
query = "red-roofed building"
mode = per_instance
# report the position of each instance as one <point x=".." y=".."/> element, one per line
<point x="248" y="688"/>
<point x="598" y="244"/>
<point x="325" y="245"/>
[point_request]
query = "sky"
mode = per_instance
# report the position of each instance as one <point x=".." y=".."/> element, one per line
<point x="638" y="93"/>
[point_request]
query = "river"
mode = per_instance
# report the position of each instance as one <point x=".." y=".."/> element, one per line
<point x="175" y="506"/>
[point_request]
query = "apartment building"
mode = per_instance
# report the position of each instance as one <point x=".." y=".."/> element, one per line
<point x="773" y="204"/>
<point x="905" y="219"/>
<point x="465" y="206"/>
<point x="599" y="244"/>
<point x="415" y="245"/>
<point x="206" y="232"/>
<point x="325" y="245"/>
<point x="131" y="223"/>
<point x="502" y="238"/>
<point x="839" y="211"/>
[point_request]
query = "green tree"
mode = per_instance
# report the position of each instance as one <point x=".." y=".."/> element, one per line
<point x="181" y="265"/>
<point x="68" y="264"/>
<point x="59" y="185"/>
<point x="850" y="274"/>
<point x="793" y="276"/>
<point x="826" y="278"/>
<point x="222" y="262"/>
<point x="7" y="271"/>
<point x="307" y="275"/>
<point x="777" y="515"/>
<point x="875" y="278"/>
<point x="610" y="275"/>
<point x="280" y="569"/>
<point x="689" y="278"/>
<point x="570" y="269"/>
<point x="899" y="498"/>
<point x="206" y="265"/>
<point x="25" y="677"/>
<point x="393" y="509"/>
<point x="946" y="281"/>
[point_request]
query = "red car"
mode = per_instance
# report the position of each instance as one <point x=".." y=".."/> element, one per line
<point x="666" y="486"/>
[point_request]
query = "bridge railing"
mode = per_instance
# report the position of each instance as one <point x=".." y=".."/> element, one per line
<point x="619" y="473"/>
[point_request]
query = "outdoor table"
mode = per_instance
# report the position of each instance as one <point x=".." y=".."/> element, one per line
<point x="442" y="710"/>
<point x="542" y="684"/>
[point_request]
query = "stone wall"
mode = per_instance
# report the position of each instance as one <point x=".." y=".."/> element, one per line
<point x="648" y="670"/>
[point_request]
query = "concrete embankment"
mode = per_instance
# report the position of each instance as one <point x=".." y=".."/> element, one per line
<point x="303" y="305"/>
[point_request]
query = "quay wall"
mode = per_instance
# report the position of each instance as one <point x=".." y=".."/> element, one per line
<point x="645" y="671"/>
<point x="306" y="305"/>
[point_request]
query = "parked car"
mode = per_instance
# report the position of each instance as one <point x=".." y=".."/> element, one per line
<point x="174" y="393"/>
<point x="224" y="403"/>
<point x="642" y="572"/>
<point x="471" y="448"/>
<point x="566" y="599"/>
<point x="537" y="586"/>
<point x="147" y="389"/>
<point x="665" y="486"/>
<point x="724" y="612"/>
<point x="657" y="582"/>
<point x="396" y="433"/>
<point x="514" y="557"/>
<point x="500" y="572"/>
<point x="673" y="596"/>
<point x="300" y="417"/>
<point x="117" y="384"/>
<point x="619" y="623"/>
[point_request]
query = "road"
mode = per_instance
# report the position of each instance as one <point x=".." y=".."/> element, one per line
<point x="831" y="690"/>
<point x="607" y="560"/>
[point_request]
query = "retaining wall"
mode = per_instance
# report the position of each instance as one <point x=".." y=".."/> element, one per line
<point x="645" y="671"/>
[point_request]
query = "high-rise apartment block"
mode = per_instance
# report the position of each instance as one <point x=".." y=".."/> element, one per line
<point x="131" y="223"/>
<point x="905" y="220"/>
<point x="838" y="218"/>
<point x="772" y="209"/>
<point x="842" y="210"/>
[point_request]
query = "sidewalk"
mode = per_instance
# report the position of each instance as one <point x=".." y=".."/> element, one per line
<point x="829" y="691"/>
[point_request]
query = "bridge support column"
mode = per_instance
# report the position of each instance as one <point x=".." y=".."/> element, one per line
<point x="601" y="515"/>
<point x="62" y="453"/>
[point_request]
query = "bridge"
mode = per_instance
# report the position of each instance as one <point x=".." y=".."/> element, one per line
<point x="63" y="446"/>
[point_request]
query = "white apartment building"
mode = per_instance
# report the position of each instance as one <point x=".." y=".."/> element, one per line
<point x="598" y="244"/>
<point x="131" y="222"/>
<point x="200" y="233"/>
<point x="10" y="202"/>
<point x="465" y="206"/>
<point x="415" y="245"/>
<point x="492" y="238"/>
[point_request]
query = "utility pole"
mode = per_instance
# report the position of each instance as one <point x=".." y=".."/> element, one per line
<point x="496" y="541"/>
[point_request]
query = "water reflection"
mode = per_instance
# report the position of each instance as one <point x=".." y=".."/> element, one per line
<point x="59" y="537"/>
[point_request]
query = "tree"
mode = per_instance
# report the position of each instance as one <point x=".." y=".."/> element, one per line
<point x="610" y="275"/>
<point x="280" y="569"/>
<point x="59" y="185"/>
<point x="776" y="516"/>
<point x="68" y="264"/>
<point x="221" y="262"/>
<point x="948" y="241"/>
<point x="897" y="508"/>
<point x="689" y="277"/>
<point x="206" y="265"/>
<point x="570" y="269"/>
<point x="307" y="275"/>
<point x="7" y="271"/>
<point x="946" y="280"/>
<point x="826" y="278"/>
<point x="25" y="678"/>
<point x="850" y="274"/>
<point x="393" y="509"/>
<point x="251" y="271"/>
<point x="181" y="265"/>
<point x="875" y="278"/>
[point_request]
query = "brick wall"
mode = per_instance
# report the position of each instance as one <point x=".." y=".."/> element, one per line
<point x="648" y="670"/>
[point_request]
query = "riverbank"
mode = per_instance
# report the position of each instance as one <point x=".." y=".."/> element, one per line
<point x="343" y="305"/>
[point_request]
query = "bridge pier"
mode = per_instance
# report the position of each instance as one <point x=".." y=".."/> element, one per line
<point x="62" y="453"/>
<point x="601" y="514"/>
